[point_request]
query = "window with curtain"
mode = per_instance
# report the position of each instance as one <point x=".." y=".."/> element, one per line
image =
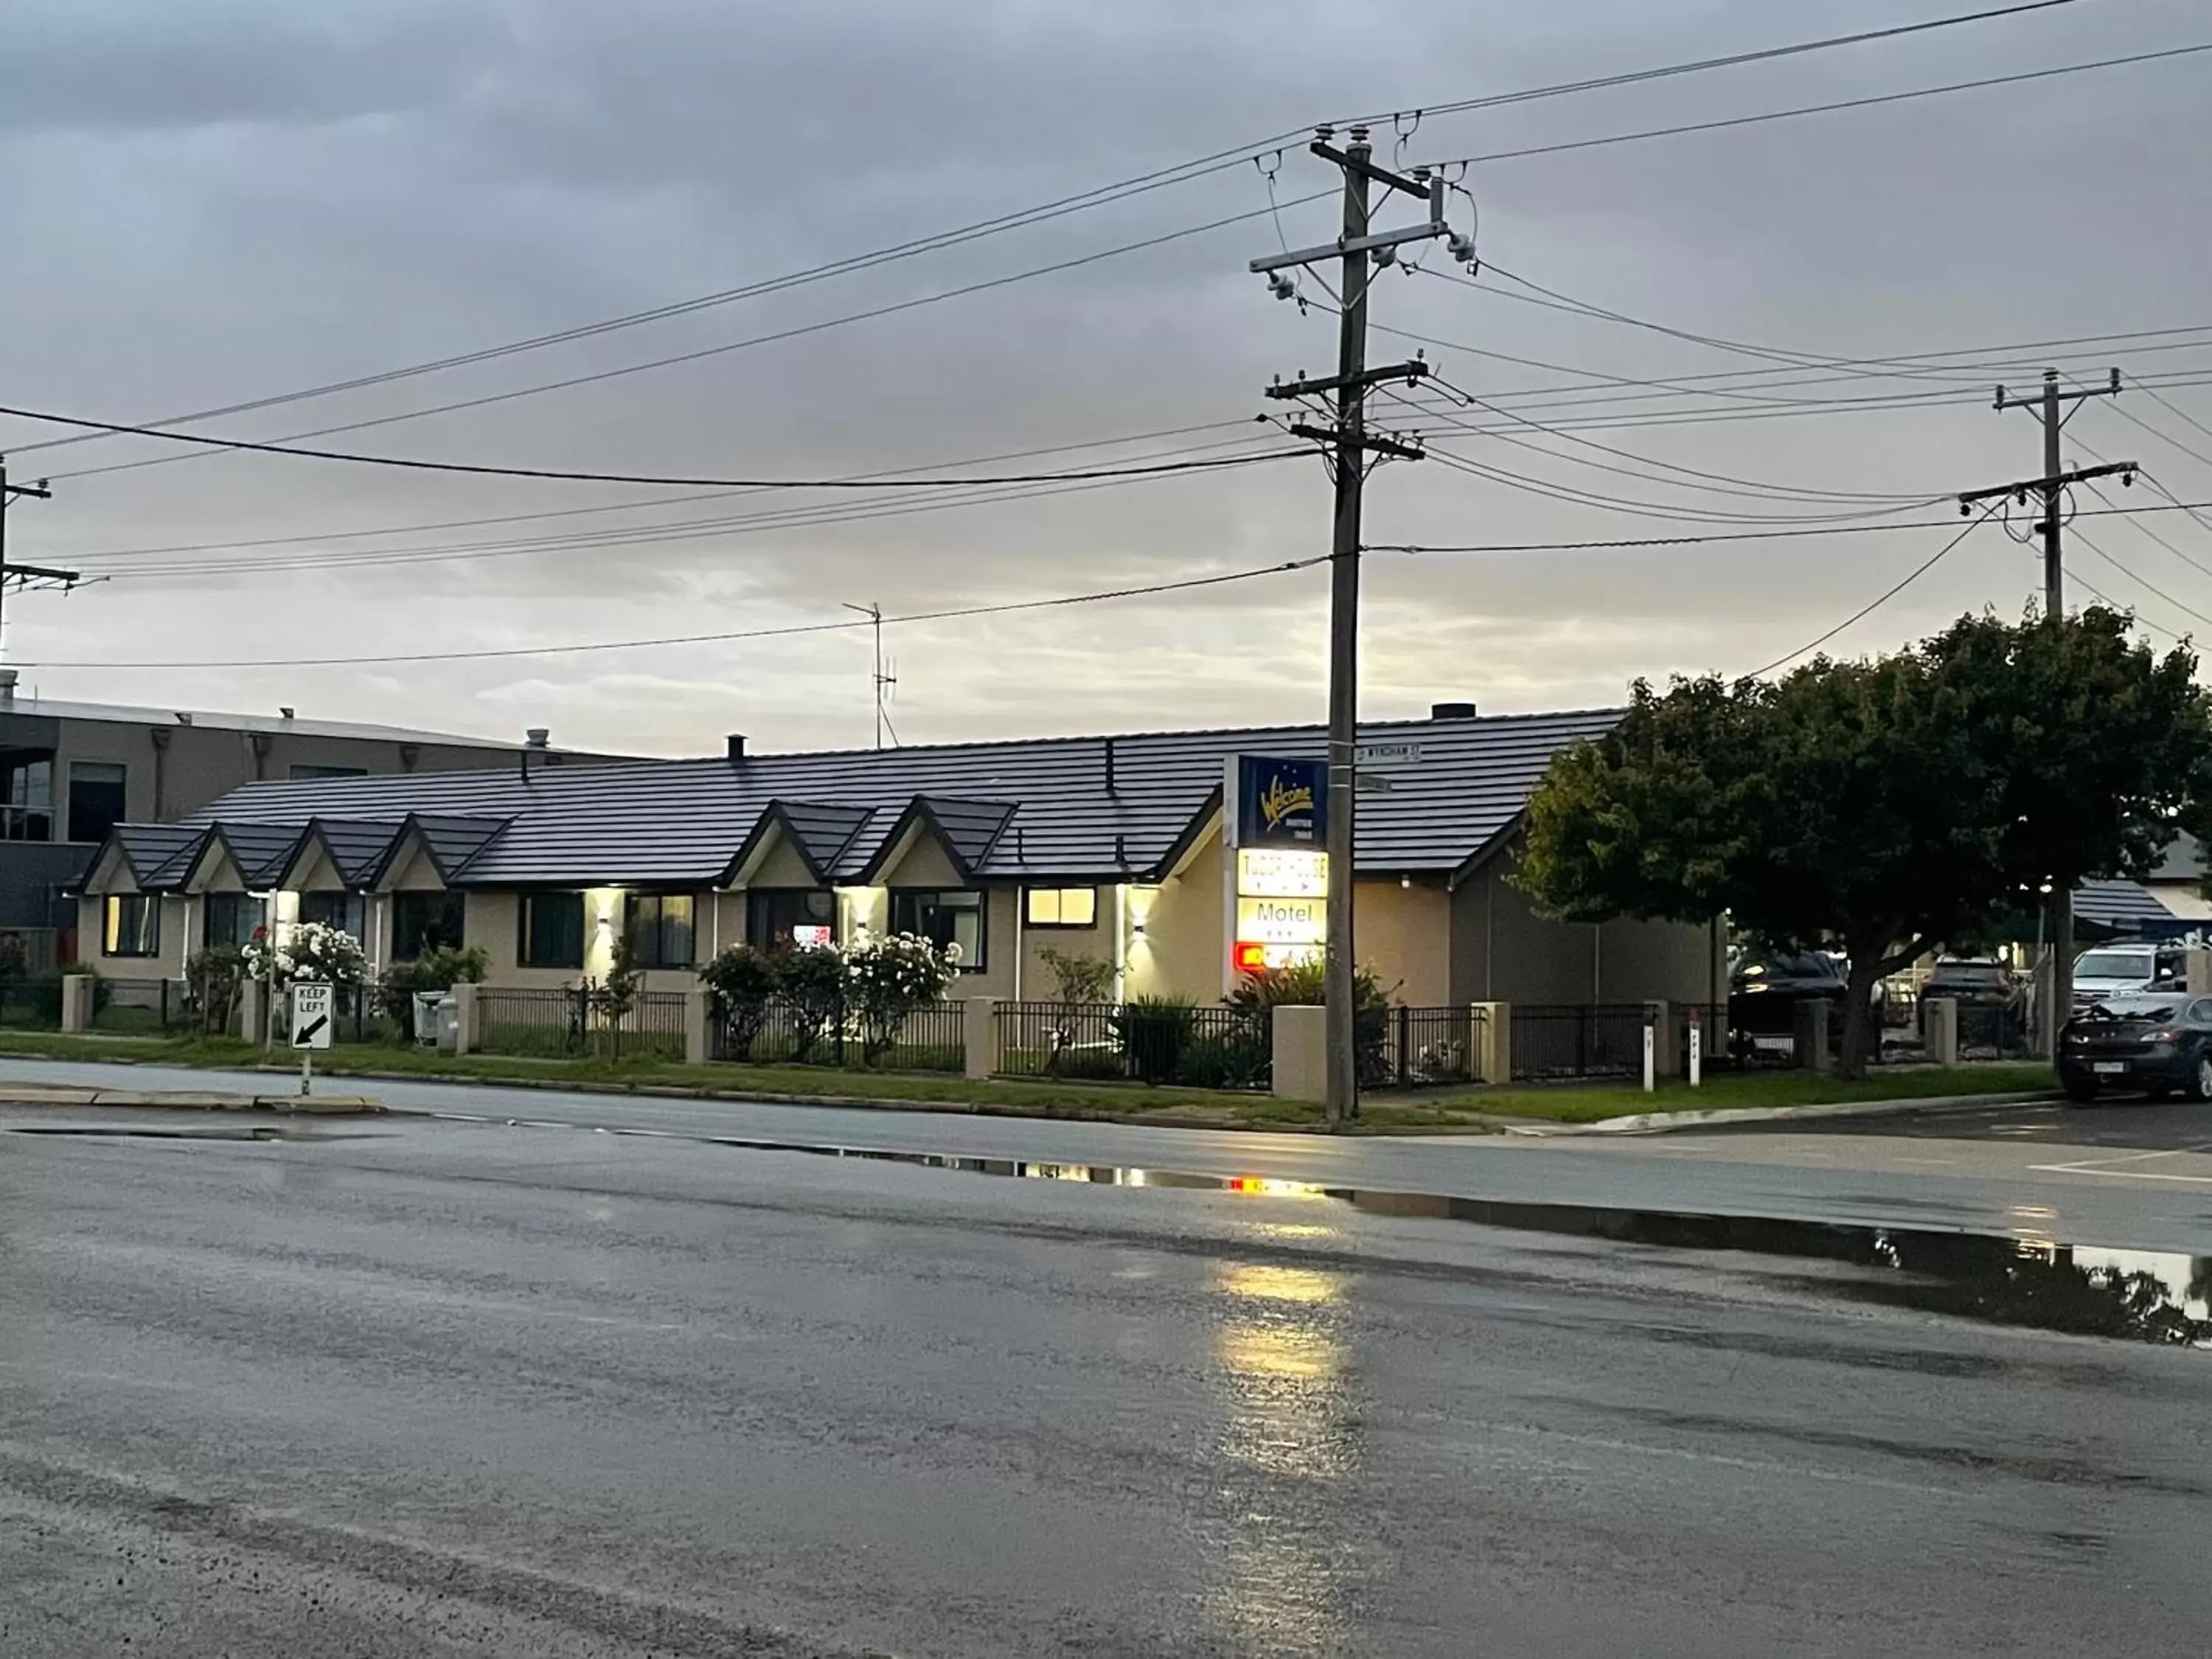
<point x="658" y="926"/>
<point x="232" y="918"/>
<point x="346" y="912"/>
<point x="552" y="931"/>
<point x="130" y="925"/>
<point x="422" y="922"/>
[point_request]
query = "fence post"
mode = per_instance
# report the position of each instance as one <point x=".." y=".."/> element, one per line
<point x="1493" y="1059"/>
<point x="698" y="1010"/>
<point x="466" y="1012"/>
<point x="979" y="1035"/>
<point x="1812" y="1034"/>
<point x="1299" y="1040"/>
<point x="254" y="1011"/>
<point x="1939" y="1030"/>
<point x="77" y="1002"/>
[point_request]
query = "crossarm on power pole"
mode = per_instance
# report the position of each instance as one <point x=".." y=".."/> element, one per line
<point x="1306" y="386"/>
<point x="2125" y="470"/>
<point x="1366" y="440"/>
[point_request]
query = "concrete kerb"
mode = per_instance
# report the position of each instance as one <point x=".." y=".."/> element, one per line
<point x="50" y="1098"/>
<point x="1652" y="1123"/>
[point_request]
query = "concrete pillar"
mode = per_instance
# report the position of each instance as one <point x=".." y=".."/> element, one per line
<point x="2196" y="972"/>
<point x="978" y="1030"/>
<point x="77" y="1002"/>
<point x="698" y="1026"/>
<point x="1493" y="1059"/>
<point x="465" y="1018"/>
<point x="254" y="1011"/>
<point x="1659" y="1014"/>
<point x="1812" y="1055"/>
<point x="1301" y="1052"/>
<point x="1939" y="1030"/>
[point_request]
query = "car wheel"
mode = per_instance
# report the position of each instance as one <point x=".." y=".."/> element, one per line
<point x="2200" y="1083"/>
<point x="2080" y="1091"/>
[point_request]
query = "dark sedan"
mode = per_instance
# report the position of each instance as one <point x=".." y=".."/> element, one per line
<point x="2158" y="1044"/>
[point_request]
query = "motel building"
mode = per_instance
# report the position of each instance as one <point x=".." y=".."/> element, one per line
<point x="1141" y="850"/>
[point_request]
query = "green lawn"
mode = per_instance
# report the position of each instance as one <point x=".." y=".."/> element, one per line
<point x="1463" y="1109"/>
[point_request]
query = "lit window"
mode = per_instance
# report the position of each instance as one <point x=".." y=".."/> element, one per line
<point x="132" y="924"/>
<point x="1063" y="906"/>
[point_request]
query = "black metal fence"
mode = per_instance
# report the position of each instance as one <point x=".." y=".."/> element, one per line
<point x="571" y="1022"/>
<point x="145" y="1007"/>
<point x="1578" y="1040"/>
<point x="1430" y="1047"/>
<point x="930" y="1038"/>
<point x="2002" y="1031"/>
<point x="1216" y="1046"/>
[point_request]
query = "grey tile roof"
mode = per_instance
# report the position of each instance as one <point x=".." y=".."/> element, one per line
<point x="261" y="851"/>
<point x="453" y="841"/>
<point x="1091" y="808"/>
<point x="160" y="855"/>
<point x="820" y="831"/>
<point x="358" y="847"/>
<point x="147" y="714"/>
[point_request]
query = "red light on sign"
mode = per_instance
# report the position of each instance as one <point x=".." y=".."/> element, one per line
<point x="1250" y="958"/>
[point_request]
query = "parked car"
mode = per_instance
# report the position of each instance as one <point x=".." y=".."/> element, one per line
<point x="1974" y="982"/>
<point x="1764" y="993"/>
<point x="2156" y="1043"/>
<point x="2127" y="970"/>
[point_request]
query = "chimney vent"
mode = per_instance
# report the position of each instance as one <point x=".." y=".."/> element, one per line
<point x="538" y="737"/>
<point x="1451" y="711"/>
<point x="285" y="712"/>
<point x="7" y="686"/>
<point x="736" y="743"/>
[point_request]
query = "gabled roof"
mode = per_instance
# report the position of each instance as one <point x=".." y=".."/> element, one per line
<point x="262" y="852"/>
<point x="818" y="832"/>
<point x="1056" y="810"/>
<point x="357" y="847"/>
<point x="967" y="830"/>
<point x="158" y="855"/>
<point x="452" y="842"/>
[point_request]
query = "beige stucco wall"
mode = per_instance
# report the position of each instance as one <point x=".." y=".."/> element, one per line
<point x="918" y="862"/>
<point x="1096" y="941"/>
<point x="412" y="870"/>
<point x="780" y="866"/>
<point x="1403" y="935"/>
<point x="1183" y="951"/>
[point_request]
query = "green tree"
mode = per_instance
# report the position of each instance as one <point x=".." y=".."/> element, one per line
<point x="1888" y="804"/>
<point x="740" y="984"/>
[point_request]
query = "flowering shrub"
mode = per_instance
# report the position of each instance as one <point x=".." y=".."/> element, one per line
<point x="809" y="979"/>
<point x="887" y="978"/>
<point x="306" y="950"/>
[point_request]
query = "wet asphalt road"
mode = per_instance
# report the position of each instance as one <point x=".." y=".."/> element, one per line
<point x="2166" y="1126"/>
<point x="421" y="1388"/>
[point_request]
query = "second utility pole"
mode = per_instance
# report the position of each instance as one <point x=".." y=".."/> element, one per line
<point x="1350" y="444"/>
<point x="2050" y="405"/>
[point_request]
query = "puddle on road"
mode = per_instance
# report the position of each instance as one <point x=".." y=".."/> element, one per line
<point x="141" y="1131"/>
<point x="2005" y="1279"/>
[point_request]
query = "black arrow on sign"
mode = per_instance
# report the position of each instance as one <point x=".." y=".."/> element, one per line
<point x="305" y="1035"/>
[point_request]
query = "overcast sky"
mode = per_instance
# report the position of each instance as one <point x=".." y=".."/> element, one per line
<point x="215" y="203"/>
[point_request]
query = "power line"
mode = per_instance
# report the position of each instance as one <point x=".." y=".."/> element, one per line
<point x="1140" y="184"/>
<point x="1824" y="109"/>
<point x="2181" y="606"/>
<point x="1882" y="599"/>
<point x="600" y="375"/>
<point x="1059" y="601"/>
<point x="479" y="470"/>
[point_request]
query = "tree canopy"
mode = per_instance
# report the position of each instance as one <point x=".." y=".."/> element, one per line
<point x="1889" y="804"/>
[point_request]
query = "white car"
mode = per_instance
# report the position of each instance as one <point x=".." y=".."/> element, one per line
<point x="2115" y="970"/>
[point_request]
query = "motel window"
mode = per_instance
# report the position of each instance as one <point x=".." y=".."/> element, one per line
<point x="1063" y="906"/>
<point x="423" y="922"/>
<point x="659" y="929"/>
<point x="96" y="798"/>
<point x="28" y="787"/>
<point x="232" y="918"/>
<point x="346" y="912"/>
<point x="778" y="918"/>
<point x="950" y="919"/>
<point x="552" y="931"/>
<point x="132" y="924"/>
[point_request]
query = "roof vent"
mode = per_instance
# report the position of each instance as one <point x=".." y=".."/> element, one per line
<point x="1451" y="711"/>
<point x="736" y="741"/>
<point x="184" y="716"/>
<point x="285" y="712"/>
<point x="7" y="686"/>
<point x="538" y="737"/>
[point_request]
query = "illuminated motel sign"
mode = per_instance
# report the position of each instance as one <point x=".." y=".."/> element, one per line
<point x="1274" y="820"/>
